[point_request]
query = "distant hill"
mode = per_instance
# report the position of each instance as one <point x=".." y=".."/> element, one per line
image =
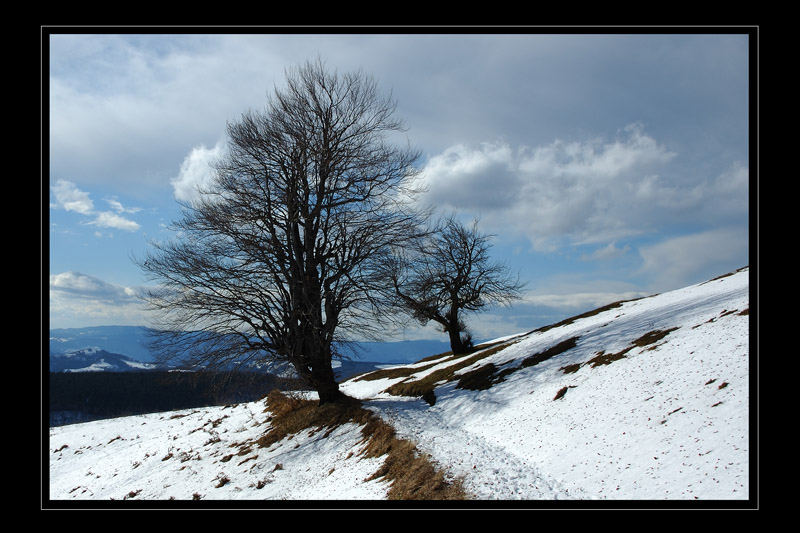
<point x="95" y="360"/>
<point x="132" y="342"/>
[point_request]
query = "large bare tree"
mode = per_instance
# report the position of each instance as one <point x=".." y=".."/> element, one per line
<point x="282" y="256"/>
<point x="449" y="272"/>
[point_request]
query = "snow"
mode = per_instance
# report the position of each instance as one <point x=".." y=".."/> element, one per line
<point x="182" y="453"/>
<point x="140" y="365"/>
<point x="668" y="421"/>
<point x="99" y="366"/>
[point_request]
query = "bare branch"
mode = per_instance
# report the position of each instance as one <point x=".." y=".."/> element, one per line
<point x="448" y="273"/>
<point x="284" y="253"/>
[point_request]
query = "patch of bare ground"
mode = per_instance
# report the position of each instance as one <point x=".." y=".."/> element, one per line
<point x="562" y="391"/>
<point x="487" y="375"/>
<point x="412" y="474"/>
<point x="601" y="358"/>
<point x="570" y="320"/>
<point x="405" y="371"/>
<point x="424" y="387"/>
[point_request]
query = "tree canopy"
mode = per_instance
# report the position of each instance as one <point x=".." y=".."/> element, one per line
<point x="282" y="255"/>
<point x="448" y="273"/>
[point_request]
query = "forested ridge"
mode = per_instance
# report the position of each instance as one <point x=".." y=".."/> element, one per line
<point x="95" y="395"/>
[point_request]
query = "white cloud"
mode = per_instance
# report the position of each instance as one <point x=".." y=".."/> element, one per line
<point x="84" y="286"/>
<point x="70" y="198"/>
<point x="607" y="252"/>
<point x="687" y="259"/>
<point x="580" y="300"/>
<point x="117" y="206"/>
<point x="107" y="219"/>
<point x="468" y="178"/>
<point x="195" y="172"/>
<point x="78" y="299"/>
<point x="579" y="192"/>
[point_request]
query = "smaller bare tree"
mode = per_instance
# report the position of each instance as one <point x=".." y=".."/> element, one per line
<point x="448" y="273"/>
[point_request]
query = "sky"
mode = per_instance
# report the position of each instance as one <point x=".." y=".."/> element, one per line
<point x="607" y="166"/>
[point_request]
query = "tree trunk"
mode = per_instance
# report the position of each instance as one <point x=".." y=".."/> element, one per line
<point x="324" y="382"/>
<point x="318" y="371"/>
<point x="456" y="344"/>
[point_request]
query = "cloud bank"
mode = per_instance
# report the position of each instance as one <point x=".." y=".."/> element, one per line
<point x="592" y="191"/>
<point x="78" y="300"/>
<point x="672" y="261"/>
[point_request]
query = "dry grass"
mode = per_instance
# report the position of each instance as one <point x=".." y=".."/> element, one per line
<point x="392" y="373"/>
<point x="593" y="312"/>
<point x="481" y="378"/>
<point x="570" y="369"/>
<point x="426" y="385"/>
<point x="405" y="371"/>
<point x="653" y="336"/>
<point x="558" y="349"/>
<point x="487" y="375"/>
<point x="602" y="358"/>
<point x="561" y="392"/>
<point x="412" y="474"/>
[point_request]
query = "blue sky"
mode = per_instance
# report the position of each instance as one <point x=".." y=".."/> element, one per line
<point x="608" y="166"/>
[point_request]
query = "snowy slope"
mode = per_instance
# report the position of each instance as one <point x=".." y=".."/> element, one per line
<point x="195" y="454"/>
<point x="94" y="359"/>
<point x="647" y="400"/>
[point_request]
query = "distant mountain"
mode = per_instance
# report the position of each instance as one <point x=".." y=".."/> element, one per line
<point x="132" y="342"/>
<point x="95" y="360"/>
<point x="393" y="352"/>
<point x="127" y="340"/>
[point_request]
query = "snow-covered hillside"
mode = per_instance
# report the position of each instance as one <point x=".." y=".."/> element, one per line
<point x="95" y="360"/>
<point x="644" y="400"/>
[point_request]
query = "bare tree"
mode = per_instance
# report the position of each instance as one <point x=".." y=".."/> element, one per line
<point x="449" y="273"/>
<point x="282" y="256"/>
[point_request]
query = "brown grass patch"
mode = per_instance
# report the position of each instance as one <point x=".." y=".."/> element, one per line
<point x="427" y="384"/>
<point x="392" y="373"/>
<point x="292" y="415"/>
<point x="653" y="336"/>
<point x="587" y="314"/>
<point x="559" y="348"/>
<point x="603" y="358"/>
<point x="570" y="369"/>
<point x="647" y="339"/>
<point x="561" y="392"/>
<point x="479" y="379"/>
<point x="435" y="357"/>
<point x="405" y="371"/>
<point x="487" y="375"/>
<point x="412" y="475"/>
